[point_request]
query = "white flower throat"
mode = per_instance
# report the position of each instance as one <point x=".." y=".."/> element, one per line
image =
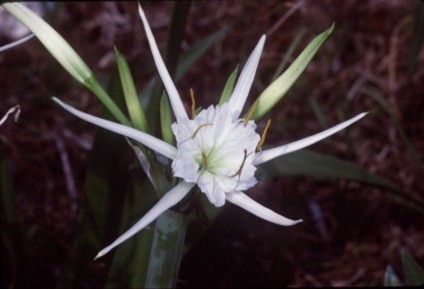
<point x="216" y="152"/>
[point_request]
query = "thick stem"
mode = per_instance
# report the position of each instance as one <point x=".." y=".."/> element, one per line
<point x="166" y="251"/>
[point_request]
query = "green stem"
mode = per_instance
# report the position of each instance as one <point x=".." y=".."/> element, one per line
<point x="104" y="97"/>
<point x="166" y="252"/>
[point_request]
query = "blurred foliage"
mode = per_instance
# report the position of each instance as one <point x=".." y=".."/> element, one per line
<point x="413" y="272"/>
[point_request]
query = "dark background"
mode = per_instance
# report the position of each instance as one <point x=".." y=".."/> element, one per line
<point x="352" y="231"/>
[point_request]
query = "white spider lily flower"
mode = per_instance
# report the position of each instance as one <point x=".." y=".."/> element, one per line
<point x="216" y="150"/>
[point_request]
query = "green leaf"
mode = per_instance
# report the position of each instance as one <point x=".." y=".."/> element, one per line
<point x="417" y="36"/>
<point x="318" y="165"/>
<point x="64" y="54"/>
<point x="414" y="273"/>
<point x="277" y="89"/>
<point x="166" y="119"/>
<point x="190" y="57"/>
<point x="287" y="56"/>
<point x="229" y="86"/>
<point x="106" y="187"/>
<point x="318" y="112"/>
<point x="390" y="278"/>
<point x="131" y="259"/>
<point x="104" y="97"/>
<point x="12" y="241"/>
<point x="176" y="32"/>
<point x="305" y="162"/>
<point x="378" y="97"/>
<point x="53" y="41"/>
<point x="8" y="212"/>
<point x="133" y="104"/>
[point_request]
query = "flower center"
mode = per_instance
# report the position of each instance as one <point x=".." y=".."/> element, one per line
<point x="215" y="152"/>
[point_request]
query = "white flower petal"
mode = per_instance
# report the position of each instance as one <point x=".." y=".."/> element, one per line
<point x="209" y="185"/>
<point x="241" y="91"/>
<point x="242" y="200"/>
<point x="270" y="154"/>
<point x="155" y="144"/>
<point x="168" y="200"/>
<point x="174" y="97"/>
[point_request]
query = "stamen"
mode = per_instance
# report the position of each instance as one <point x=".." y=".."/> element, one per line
<point x="197" y="130"/>
<point x="249" y="116"/>
<point x="261" y="142"/>
<point x="193" y="104"/>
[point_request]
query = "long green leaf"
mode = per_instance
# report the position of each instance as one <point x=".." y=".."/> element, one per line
<point x="166" y="119"/>
<point x="64" y="54"/>
<point x="290" y="50"/>
<point x="417" y="36"/>
<point x="414" y="273"/>
<point x="319" y="114"/>
<point x="13" y="244"/>
<point x="305" y="162"/>
<point x="135" y="110"/>
<point x="190" y="57"/>
<point x="229" y="87"/>
<point x="131" y="259"/>
<point x="318" y="165"/>
<point x="176" y="32"/>
<point x="378" y="97"/>
<point x="105" y="189"/>
<point x="277" y="89"/>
